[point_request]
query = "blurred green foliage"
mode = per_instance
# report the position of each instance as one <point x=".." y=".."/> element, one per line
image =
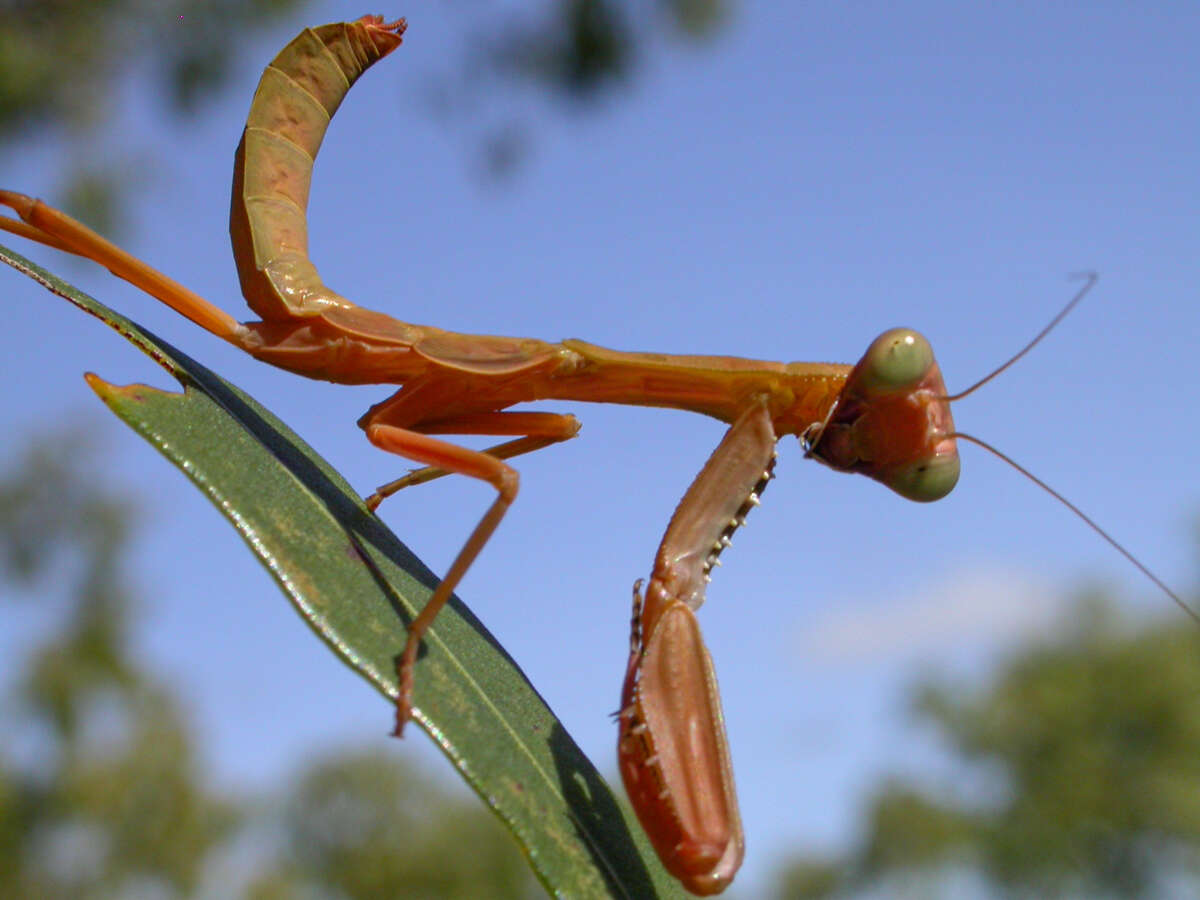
<point x="99" y="785"/>
<point x="1077" y="774"/>
<point x="360" y="825"/>
<point x="102" y="791"/>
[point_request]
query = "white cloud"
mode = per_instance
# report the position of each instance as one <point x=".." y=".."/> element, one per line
<point x="969" y="609"/>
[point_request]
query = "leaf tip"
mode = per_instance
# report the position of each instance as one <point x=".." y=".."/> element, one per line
<point x="129" y="393"/>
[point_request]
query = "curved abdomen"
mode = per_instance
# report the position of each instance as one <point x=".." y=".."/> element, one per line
<point x="299" y="93"/>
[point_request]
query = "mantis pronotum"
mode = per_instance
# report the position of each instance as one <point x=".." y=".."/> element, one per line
<point x="887" y="417"/>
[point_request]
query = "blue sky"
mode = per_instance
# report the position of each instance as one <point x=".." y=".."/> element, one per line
<point x="816" y="174"/>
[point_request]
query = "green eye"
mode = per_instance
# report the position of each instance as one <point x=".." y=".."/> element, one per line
<point x="926" y="481"/>
<point x="898" y="358"/>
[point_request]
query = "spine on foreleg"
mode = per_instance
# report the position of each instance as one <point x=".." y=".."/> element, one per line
<point x="299" y="93"/>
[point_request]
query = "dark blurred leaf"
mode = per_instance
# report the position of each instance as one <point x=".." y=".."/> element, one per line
<point x="698" y="18"/>
<point x="348" y="815"/>
<point x="586" y="45"/>
<point x="808" y="880"/>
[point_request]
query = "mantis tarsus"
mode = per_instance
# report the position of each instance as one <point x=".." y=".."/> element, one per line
<point x="887" y="417"/>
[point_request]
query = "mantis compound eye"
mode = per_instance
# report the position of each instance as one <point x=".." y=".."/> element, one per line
<point x="896" y="359"/>
<point x="926" y="480"/>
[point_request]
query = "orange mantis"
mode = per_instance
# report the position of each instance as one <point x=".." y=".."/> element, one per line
<point x="887" y="417"/>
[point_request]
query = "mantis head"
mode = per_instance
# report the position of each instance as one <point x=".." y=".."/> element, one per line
<point x="892" y="420"/>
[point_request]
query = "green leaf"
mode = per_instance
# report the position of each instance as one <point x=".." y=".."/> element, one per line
<point x="357" y="586"/>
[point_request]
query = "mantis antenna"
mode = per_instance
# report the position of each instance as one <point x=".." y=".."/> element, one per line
<point x="1090" y="281"/>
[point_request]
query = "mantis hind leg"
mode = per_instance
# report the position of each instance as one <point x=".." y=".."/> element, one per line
<point x="43" y="223"/>
<point x="537" y="430"/>
<point x="442" y="457"/>
<point x="463" y="461"/>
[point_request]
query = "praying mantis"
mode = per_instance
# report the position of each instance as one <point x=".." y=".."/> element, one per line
<point x="887" y="417"/>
